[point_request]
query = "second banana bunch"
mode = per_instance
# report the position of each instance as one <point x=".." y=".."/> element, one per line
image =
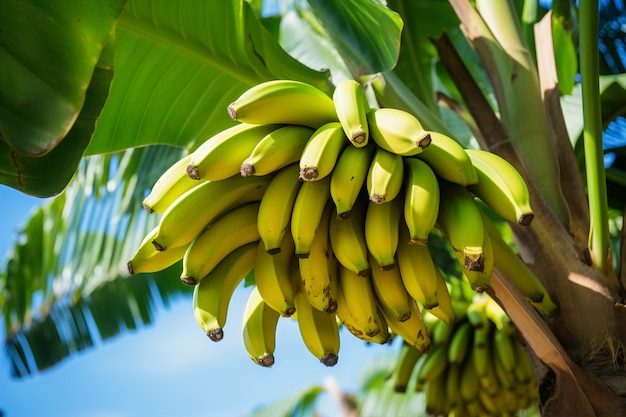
<point x="329" y="202"/>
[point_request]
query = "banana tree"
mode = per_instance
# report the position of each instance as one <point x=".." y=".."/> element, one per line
<point x="133" y="76"/>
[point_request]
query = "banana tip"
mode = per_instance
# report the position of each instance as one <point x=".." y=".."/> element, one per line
<point x="247" y="169"/>
<point x="129" y="266"/>
<point x="193" y="172"/>
<point x="215" y="334"/>
<point x="330" y="359"/>
<point x="525" y="219"/>
<point x="266" y="360"/>
<point x="190" y="281"/>
<point x="232" y="113"/>
<point x="147" y="208"/>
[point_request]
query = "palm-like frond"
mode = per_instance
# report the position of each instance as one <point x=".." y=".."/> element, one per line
<point x="65" y="284"/>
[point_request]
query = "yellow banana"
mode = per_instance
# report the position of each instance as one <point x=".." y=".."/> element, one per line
<point x="273" y="277"/>
<point x="449" y="160"/>
<point x="382" y="223"/>
<point x="360" y="300"/>
<point x="193" y="211"/>
<point x="445" y="309"/>
<point x="501" y="187"/>
<point x="351" y="106"/>
<point x="147" y="259"/>
<point x="421" y="204"/>
<point x="462" y="221"/>
<point x="390" y="291"/>
<point x="319" y="331"/>
<point x="276" y="207"/>
<point x="347" y="239"/>
<point x="385" y="176"/>
<point x="221" y="155"/>
<point x="418" y="270"/>
<point x="173" y="183"/>
<point x="321" y="152"/>
<point x="284" y="102"/>
<point x="319" y="270"/>
<point x="348" y="177"/>
<point x="259" y="329"/>
<point x="397" y="131"/>
<point x="227" y="233"/>
<point x="413" y="330"/>
<point x="211" y="297"/>
<point x="349" y="322"/>
<point x="307" y="212"/>
<point x="275" y="150"/>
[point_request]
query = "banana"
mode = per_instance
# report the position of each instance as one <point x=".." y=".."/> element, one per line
<point x="319" y="270"/>
<point x="412" y="330"/>
<point x="480" y="280"/>
<point x="516" y="270"/>
<point x="319" y="331"/>
<point x="227" y="233"/>
<point x="259" y="329"/>
<point x="307" y="212"/>
<point x="274" y="279"/>
<point x="276" y="207"/>
<point x="403" y="369"/>
<point x="421" y="204"/>
<point x="390" y="291"/>
<point x="435" y="398"/>
<point x="441" y="332"/>
<point x="418" y="270"/>
<point x="348" y="177"/>
<point x="347" y="240"/>
<point x="221" y="155"/>
<point x="498" y="317"/>
<point x="461" y="220"/>
<point x="433" y="365"/>
<point x="211" y="297"/>
<point x="385" y="176"/>
<point x="321" y="152"/>
<point x="475" y="311"/>
<point x="173" y="183"/>
<point x="481" y="350"/>
<point x="449" y="160"/>
<point x="193" y="211"/>
<point x="501" y="187"/>
<point x="460" y="344"/>
<point x="382" y="222"/>
<point x="453" y="380"/>
<point x="468" y="388"/>
<point x="360" y="300"/>
<point x="284" y="102"/>
<point x="506" y="377"/>
<point x="147" y="259"/>
<point x="351" y="106"/>
<point x="504" y="348"/>
<point x="397" y="131"/>
<point x="276" y="150"/>
<point x="445" y="309"/>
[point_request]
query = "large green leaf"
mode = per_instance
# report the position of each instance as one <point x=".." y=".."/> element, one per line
<point x="48" y="52"/>
<point x="179" y="64"/>
<point x="365" y="33"/>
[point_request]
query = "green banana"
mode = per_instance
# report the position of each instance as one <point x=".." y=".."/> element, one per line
<point x="227" y="233"/>
<point x="319" y="331"/>
<point x="319" y="270"/>
<point x="461" y="220"/>
<point x="403" y="369"/>
<point x="504" y="349"/>
<point x="221" y="155"/>
<point x="284" y="102"/>
<point x="351" y="106"/>
<point x="307" y="211"/>
<point x="421" y="204"/>
<point x="360" y="300"/>
<point x="453" y="379"/>
<point x="348" y="177"/>
<point x="147" y="259"/>
<point x="347" y="240"/>
<point x="211" y="297"/>
<point x="433" y="365"/>
<point x="435" y="398"/>
<point x="390" y="291"/>
<point x="501" y="187"/>
<point x="382" y="223"/>
<point x="273" y="277"/>
<point x="173" y="183"/>
<point x="468" y="387"/>
<point x="385" y="176"/>
<point x="276" y="207"/>
<point x="276" y="150"/>
<point x="460" y="344"/>
<point x="418" y="270"/>
<point x="397" y="131"/>
<point x="193" y="211"/>
<point x="259" y="329"/>
<point x="448" y="160"/>
<point x="321" y="152"/>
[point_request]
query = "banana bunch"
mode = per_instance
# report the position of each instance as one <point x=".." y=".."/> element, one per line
<point x="477" y="367"/>
<point x="329" y="202"/>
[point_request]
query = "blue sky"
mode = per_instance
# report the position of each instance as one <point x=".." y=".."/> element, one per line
<point x="170" y="368"/>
